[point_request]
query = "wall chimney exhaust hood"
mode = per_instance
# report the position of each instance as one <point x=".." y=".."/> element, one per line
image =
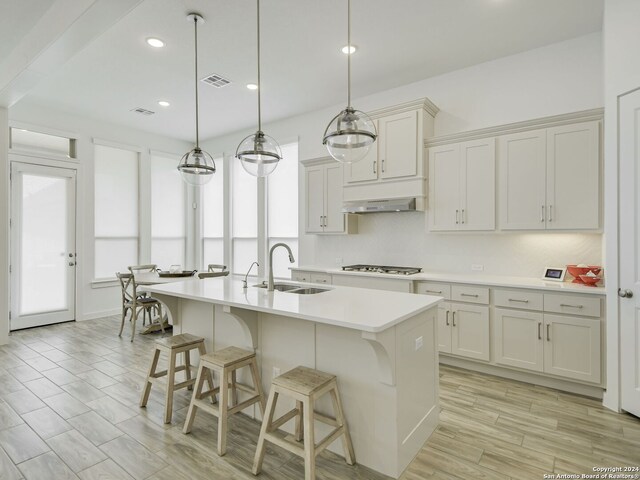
<point x="378" y="206"/>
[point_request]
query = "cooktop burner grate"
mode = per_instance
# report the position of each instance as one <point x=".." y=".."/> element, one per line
<point x="382" y="269"/>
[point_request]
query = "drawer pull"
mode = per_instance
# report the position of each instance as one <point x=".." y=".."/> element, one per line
<point x="539" y="332"/>
<point x="447" y="318"/>
<point x="454" y="319"/>
<point x="433" y="291"/>
<point x="571" y="306"/>
<point x="518" y="300"/>
<point x="548" y="335"/>
<point x="469" y="295"/>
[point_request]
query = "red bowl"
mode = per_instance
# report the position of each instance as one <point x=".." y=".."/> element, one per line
<point x="576" y="271"/>
<point x="595" y="269"/>
<point x="588" y="280"/>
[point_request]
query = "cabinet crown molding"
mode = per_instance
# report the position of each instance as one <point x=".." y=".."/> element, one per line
<point x="596" y="114"/>
<point x="319" y="161"/>
<point x="421" y="103"/>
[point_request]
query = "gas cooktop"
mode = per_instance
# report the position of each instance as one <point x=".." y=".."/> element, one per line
<point x="382" y="269"/>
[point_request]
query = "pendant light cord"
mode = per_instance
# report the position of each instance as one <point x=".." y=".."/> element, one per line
<point x="259" y="86"/>
<point x="349" y="53"/>
<point x="195" y="24"/>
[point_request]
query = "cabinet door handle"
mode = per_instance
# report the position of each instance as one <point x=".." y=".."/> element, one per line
<point x="550" y="217"/>
<point x="447" y="318"/>
<point x="454" y="318"/>
<point x="518" y="300"/>
<point x="548" y="335"/>
<point x="374" y="166"/>
<point x="462" y="215"/>
<point x="325" y="220"/>
<point x="542" y="213"/>
<point x="383" y="165"/>
<point x="456" y="217"/>
<point x="469" y="295"/>
<point x="571" y="306"/>
<point x="321" y="222"/>
<point x="434" y="291"/>
<point x="539" y="332"/>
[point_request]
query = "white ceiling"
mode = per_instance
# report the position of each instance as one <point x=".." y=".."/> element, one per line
<point x="17" y="17"/>
<point x="399" y="42"/>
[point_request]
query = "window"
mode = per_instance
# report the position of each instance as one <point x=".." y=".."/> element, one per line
<point x="213" y="206"/>
<point x="244" y="192"/>
<point x="282" y="213"/>
<point x="168" y="208"/>
<point x="26" y="140"/>
<point x="116" y="210"/>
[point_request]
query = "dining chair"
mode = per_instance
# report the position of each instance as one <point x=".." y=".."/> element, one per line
<point x="212" y="267"/>
<point x="148" y="268"/>
<point x="133" y="302"/>
<point x="213" y="274"/>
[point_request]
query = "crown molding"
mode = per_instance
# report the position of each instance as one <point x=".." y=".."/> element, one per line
<point x="421" y="103"/>
<point x="595" y="114"/>
<point x="319" y="161"/>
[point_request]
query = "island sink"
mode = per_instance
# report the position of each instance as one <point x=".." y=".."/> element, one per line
<point x="299" y="289"/>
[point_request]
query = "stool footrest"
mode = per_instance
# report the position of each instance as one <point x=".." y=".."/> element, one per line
<point x="186" y="383"/>
<point x="207" y="407"/>
<point x="328" y="440"/>
<point x="241" y="406"/>
<point x="326" y="419"/>
<point x="288" y="445"/>
<point x="276" y="424"/>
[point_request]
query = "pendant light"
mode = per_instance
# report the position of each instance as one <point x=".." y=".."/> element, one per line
<point x="197" y="166"/>
<point x="350" y="134"/>
<point x="259" y="153"/>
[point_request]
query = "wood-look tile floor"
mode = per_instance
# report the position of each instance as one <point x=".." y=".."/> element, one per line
<point x="69" y="409"/>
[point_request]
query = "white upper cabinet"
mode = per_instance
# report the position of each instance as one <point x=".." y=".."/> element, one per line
<point x="334" y="221"/>
<point x="398" y="148"/>
<point x="315" y="192"/>
<point x="366" y="169"/>
<point x="550" y="178"/>
<point x="462" y="186"/>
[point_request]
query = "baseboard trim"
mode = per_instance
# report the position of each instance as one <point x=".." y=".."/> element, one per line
<point x="96" y="315"/>
<point x="564" y="385"/>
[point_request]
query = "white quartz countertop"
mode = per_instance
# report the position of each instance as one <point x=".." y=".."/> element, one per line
<point x="474" y="279"/>
<point x="357" y="308"/>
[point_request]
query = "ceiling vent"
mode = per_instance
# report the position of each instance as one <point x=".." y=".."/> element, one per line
<point x="216" y="80"/>
<point x="142" y="111"/>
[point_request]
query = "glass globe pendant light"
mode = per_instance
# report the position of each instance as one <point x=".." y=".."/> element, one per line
<point x="197" y="166"/>
<point x="259" y="153"/>
<point x="350" y="134"/>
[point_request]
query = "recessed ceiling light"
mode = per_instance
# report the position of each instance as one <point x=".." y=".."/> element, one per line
<point x="155" y="42"/>
<point x="252" y="86"/>
<point x="163" y="103"/>
<point x="349" y="49"/>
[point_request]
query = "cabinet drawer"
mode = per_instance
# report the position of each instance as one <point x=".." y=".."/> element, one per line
<point x="301" y="276"/>
<point x="438" y="289"/>
<point x="466" y="293"/>
<point x="320" y="278"/>
<point x="518" y="299"/>
<point x="572" y="304"/>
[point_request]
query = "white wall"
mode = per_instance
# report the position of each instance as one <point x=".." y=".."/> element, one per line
<point x="621" y="39"/>
<point x="92" y="302"/>
<point x="559" y="78"/>
<point x="4" y="225"/>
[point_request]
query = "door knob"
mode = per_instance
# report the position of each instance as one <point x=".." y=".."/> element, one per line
<point x="71" y="264"/>
<point x="625" y="293"/>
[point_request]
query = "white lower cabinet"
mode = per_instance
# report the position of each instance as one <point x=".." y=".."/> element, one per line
<point x="554" y="344"/>
<point x="470" y="331"/>
<point x="444" y="327"/>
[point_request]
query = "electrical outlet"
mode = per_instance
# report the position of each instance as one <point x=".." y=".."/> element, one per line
<point x="476" y="267"/>
<point x="419" y="343"/>
<point x="276" y="372"/>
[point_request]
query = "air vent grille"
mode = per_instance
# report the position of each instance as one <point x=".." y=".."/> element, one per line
<point x="216" y="80"/>
<point x="142" y="111"/>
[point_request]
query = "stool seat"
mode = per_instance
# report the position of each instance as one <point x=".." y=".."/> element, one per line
<point x="303" y="380"/>
<point x="179" y="341"/>
<point x="228" y="356"/>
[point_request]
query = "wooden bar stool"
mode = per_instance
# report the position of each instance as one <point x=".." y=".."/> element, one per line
<point x="173" y="346"/>
<point x="306" y="386"/>
<point x="225" y="362"/>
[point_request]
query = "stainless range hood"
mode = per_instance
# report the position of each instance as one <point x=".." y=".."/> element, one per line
<point x="379" y="206"/>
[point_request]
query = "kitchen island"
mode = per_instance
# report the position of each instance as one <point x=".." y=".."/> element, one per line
<point x="381" y="345"/>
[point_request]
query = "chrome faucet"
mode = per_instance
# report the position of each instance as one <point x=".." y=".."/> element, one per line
<point x="291" y="259"/>
<point x="244" y="282"/>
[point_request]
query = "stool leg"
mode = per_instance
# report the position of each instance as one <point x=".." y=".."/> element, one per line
<point x="134" y="317"/>
<point x="187" y="368"/>
<point x="349" y="454"/>
<point x="159" y="317"/>
<point x="267" y="419"/>
<point x="152" y="371"/>
<point x="234" y="388"/>
<point x="223" y="406"/>
<point x="203" y="351"/>
<point x="309" y="440"/>
<point x="257" y="384"/>
<point x="193" y="408"/>
<point x="171" y="380"/>
<point x="299" y="429"/>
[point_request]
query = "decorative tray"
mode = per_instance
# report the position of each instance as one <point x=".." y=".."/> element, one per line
<point x="183" y="273"/>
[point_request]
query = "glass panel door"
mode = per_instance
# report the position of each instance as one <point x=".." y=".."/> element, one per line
<point x="43" y="258"/>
